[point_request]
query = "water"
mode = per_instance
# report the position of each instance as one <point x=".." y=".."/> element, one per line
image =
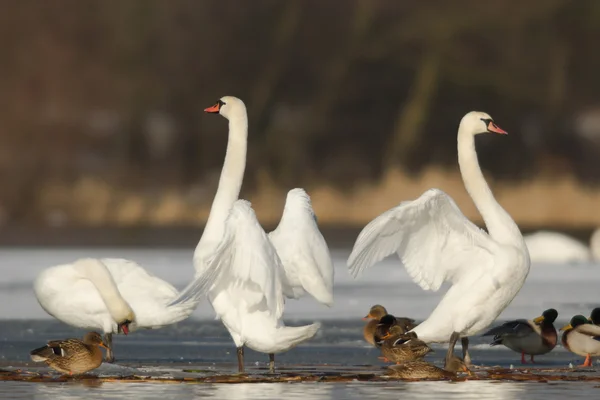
<point x="202" y="343"/>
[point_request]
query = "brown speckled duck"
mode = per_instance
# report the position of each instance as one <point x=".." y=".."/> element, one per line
<point x="376" y="313"/>
<point x="425" y="370"/>
<point x="71" y="356"/>
<point x="401" y="347"/>
<point x="534" y="337"/>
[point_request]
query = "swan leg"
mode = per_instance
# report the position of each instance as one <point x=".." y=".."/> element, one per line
<point x="465" y="349"/>
<point x="240" y="355"/>
<point x="271" y="363"/>
<point x="110" y="357"/>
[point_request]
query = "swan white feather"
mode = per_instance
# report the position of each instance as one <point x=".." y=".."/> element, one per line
<point x="248" y="296"/>
<point x="102" y="293"/>
<point x="307" y="263"/>
<point x="436" y="243"/>
<point x="554" y="247"/>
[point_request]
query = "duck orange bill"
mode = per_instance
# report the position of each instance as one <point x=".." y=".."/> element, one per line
<point x="492" y="127"/>
<point x="566" y="327"/>
<point x="213" y="109"/>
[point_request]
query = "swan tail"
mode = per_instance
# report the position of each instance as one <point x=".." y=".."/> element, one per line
<point x="291" y="336"/>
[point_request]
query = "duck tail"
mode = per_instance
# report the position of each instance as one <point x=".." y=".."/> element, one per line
<point x="41" y="354"/>
<point x="290" y="336"/>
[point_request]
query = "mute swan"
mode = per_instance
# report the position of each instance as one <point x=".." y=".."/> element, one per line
<point x="113" y="295"/>
<point x="299" y="243"/>
<point x="248" y="296"/>
<point x="437" y="243"/>
<point x="307" y="265"/>
<point x="554" y="247"/>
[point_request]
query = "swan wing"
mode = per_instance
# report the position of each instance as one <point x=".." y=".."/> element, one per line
<point x="433" y="239"/>
<point x="245" y="259"/>
<point x="307" y="264"/>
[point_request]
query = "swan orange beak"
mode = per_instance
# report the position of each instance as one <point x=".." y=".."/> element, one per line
<point x="492" y="127"/>
<point x="213" y="109"/>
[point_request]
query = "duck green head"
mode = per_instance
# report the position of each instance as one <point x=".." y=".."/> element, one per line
<point x="547" y="317"/>
<point x="595" y="316"/>
<point x="575" y="322"/>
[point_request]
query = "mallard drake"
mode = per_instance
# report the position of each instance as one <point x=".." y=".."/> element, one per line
<point x="376" y="313"/>
<point x="534" y="337"/>
<point x="595" y="316"/>
<point x="582" y="338"/>
<point x="400" y="347"/>
<point x="425" y="370"/>
<point x="71" y="356"/>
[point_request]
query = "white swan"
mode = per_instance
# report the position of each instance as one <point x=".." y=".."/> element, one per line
<point x="307" y="264"/>
<point x="437" y="243"/>
<point x="248" y="297"/>
<point x="112" y="295"/>
<point x="554" y="247"/>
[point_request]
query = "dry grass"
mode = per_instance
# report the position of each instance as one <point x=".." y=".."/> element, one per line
<point x="561" y="201"/>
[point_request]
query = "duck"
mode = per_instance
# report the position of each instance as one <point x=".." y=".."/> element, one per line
<point x="71" y="356"/>
<point x="595" y="316"/>
<point x="425" y="370"/>
<point x="582" y="338"/>
<point x="534" y="337"/>
<point x="436" y="243"/>
<point x="376" y="313"/>
<point x="400" y="347"/>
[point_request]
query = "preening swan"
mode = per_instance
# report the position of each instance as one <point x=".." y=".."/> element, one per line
<point x="554" y="247"/>
<point x="437" y="243"/>
<point x="113" y="295"/>
<point x="299" y="243"/>
<point x="248" y="296"/>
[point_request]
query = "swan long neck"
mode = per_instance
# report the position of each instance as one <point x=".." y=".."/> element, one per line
<point x="96" y="272"/>
<point x="499" y="224"/>
<point x="230" y="183"/>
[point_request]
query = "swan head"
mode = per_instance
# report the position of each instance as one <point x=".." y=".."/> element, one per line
<point x="228" y="106"/>
<point x="124" y="325"/>
<point x="477" y="122"/>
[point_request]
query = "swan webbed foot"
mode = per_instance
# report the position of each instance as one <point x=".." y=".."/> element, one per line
<point x="240" y="356"/>
<point x="110" y="357"/>
<point x="271" y="363"/>
<point x="465" y="349"/>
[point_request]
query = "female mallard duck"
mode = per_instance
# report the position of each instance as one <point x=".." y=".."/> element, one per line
<point x="425" y="370"/>
<point x="582" y="338"/>
<point x="400" y="347"/>
<point x="376" y="313"/>
<point x="72" y="356"/>
<point x="534" y="337"/>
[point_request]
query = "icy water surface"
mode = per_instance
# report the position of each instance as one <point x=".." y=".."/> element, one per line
<point x="202" y="343"/>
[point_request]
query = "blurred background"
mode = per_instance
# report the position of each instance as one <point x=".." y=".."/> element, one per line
<point x="103" y="139"/>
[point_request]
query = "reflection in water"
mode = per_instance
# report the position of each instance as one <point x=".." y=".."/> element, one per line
<point x="304" y="390"/>
<point x="479" y="390"/>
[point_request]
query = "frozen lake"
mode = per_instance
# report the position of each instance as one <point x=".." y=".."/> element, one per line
<point x="201" y="341"/>
<point x="570" y="289"/>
